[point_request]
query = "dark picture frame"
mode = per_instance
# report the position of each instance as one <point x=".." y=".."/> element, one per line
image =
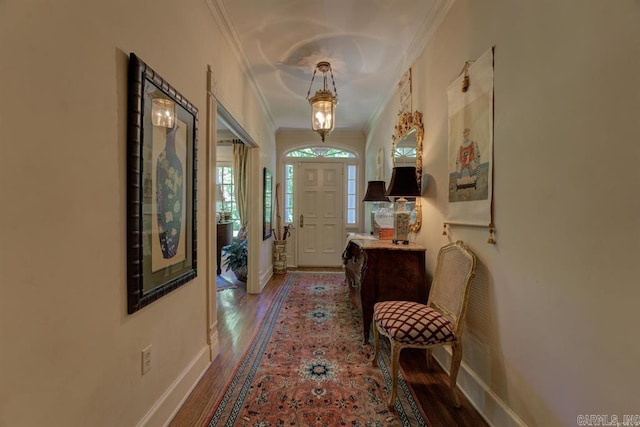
<point x="161" y="187"/>
<point x="267" y="204"/>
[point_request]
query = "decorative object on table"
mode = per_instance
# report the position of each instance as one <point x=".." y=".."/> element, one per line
<point x="438" y="323"/>
<point x="267" y="204"/>
<point x="376" y="193"/>
<point x="236" y="256"/>
<point x="471" y="146"/>
<point x="386" y="231"/>
<point x="323" y="103"/>
<point x="162" y="135"/>
<point x="306" y="365"/>
<point x="403" y="184"/>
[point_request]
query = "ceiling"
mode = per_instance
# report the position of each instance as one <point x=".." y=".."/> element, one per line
<point x="369" y="43"/>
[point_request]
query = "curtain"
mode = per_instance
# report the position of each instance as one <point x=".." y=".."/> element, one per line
<point x="240" y="157"/>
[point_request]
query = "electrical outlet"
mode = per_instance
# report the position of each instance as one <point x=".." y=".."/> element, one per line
<point x="146" y="359"/>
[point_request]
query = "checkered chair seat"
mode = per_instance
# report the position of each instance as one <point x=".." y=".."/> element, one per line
<point x="412" y="323"/>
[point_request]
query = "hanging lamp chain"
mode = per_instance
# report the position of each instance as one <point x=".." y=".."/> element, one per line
<point x="313" y="77"/>
<point x="335" y="91"/>
<point x="324" y="75"/>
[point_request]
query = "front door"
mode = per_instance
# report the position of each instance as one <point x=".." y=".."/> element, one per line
<point x="320" y="191"/>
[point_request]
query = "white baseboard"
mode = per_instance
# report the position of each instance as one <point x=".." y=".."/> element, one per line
<point x="493" y="409"/>
<point x="165" y="408"/>
<point x="265" y="277"/>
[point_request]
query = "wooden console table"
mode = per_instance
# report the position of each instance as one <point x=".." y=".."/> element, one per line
<point x="224" y="234"/>
<point x="378" y="270"/>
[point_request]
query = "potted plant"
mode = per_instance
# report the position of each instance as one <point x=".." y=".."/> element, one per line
<point x="236" y="258"/>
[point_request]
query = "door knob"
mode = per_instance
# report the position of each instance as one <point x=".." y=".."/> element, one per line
<point x="301" y="220"/>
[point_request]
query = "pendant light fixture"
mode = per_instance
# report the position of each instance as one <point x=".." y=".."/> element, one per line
<point x="323" y="103"/>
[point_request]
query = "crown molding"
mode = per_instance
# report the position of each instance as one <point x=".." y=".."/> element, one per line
<point x="220" y="14"/>
<point x="308" y="133"/>
<point x="417" y="46"/>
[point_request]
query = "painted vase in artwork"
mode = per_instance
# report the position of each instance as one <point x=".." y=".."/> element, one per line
<point x="169" y="188"/>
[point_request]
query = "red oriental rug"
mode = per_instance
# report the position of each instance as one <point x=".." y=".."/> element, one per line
<point x="307" y="365"/>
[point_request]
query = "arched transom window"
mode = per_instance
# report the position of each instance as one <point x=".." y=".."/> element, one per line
<point x="324" y="152"/>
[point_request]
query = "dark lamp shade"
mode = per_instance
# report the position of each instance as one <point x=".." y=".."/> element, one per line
<point x="404" y="182"/>
<point x="375" y="192"/>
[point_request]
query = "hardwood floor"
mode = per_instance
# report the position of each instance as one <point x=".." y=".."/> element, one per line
<point x="238" y="316"/>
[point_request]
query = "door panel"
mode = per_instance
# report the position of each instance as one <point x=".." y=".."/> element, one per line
<point x="321" y="224"/>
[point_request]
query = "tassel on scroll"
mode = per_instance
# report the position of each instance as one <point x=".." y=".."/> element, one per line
<point x="492" y="235"/>
<point x="465" y="79"/>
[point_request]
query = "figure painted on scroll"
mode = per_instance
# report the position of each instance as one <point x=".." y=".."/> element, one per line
<point x="467" y="161"/>
<point x="469" y="176"/>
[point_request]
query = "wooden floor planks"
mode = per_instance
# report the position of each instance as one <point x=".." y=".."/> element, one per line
<point x="239" y="315"/>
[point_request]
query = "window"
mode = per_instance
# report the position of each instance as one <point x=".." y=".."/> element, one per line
<point x="226" y="198"/>
<point x="351" y="195"/>
<point x="288" y="193"/>
<point x="325" y="152"/>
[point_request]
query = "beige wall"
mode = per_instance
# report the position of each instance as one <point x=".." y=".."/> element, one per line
<point x="70" y="353"/>
<point x="551" y="332"/>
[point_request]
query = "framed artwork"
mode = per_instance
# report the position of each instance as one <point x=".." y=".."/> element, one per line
<point x="162" y="140"/>
<point x="267" y="204"/>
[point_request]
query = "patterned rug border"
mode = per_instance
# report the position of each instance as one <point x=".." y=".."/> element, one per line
<point x="252" y="358"/>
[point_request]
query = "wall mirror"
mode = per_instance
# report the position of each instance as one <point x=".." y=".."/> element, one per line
<point x="407" y="151"/>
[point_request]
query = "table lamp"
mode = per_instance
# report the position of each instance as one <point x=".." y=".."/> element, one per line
<point x="376" y="193"/>
<point x="404" y="183"/>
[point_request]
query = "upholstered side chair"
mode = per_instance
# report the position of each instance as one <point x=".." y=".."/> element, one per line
<point x="440" y="322"/>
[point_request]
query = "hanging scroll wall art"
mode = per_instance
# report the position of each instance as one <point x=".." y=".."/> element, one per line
<point x="471" y="145"/>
